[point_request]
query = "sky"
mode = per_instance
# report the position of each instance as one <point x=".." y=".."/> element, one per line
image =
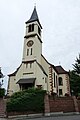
<point x="60" y="20"/>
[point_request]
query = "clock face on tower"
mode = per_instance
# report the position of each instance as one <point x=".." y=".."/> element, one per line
<point x="30" y="43"/>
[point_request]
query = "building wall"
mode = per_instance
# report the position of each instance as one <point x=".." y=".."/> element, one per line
<point x="35" y="29"/>
<point x="36" y="47"/>
<point x="12" y="87"/>
<point x="64" y="86"/>
<point x="40" y="77"/>
<point x="49" y="84"/>
<point x="23" y="72"/>
<point x="45" y="65"/>
<point x="28" y="71"/>
<point x="55" y="82"/>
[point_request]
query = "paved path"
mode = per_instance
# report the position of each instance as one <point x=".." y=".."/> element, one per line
<point x="73" y="117"/>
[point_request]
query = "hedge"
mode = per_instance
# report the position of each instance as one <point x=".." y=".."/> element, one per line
<point x="31" y="100"/>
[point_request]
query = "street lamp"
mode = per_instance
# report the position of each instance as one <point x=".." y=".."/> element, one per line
<point x="72" y="92"/>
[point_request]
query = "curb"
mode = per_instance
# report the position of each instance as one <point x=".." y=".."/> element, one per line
<point x="32" y="116"/>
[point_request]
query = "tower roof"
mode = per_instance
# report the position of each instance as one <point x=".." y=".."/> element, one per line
<point x="34" y="17"/>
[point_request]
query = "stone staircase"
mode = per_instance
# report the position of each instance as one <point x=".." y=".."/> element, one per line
<point x="2" y="107"/>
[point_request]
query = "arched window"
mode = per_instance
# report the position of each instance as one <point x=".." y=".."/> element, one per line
<point x="31" y="65"/>
<point x="27" y="52"/>
<point x="31" y="51"/>
<point x="54" y="81"/>
<point x="31" y="28"/>
<point x="60" y="81"/>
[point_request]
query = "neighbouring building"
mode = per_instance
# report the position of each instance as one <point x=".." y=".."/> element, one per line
<point x="35" y="70"/>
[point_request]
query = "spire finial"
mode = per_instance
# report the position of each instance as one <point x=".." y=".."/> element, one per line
<point x="35" y="5"/>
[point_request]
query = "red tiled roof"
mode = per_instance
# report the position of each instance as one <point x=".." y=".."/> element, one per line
<point x="60" y="70"/>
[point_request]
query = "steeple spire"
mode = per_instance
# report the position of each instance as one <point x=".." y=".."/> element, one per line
<point x="34" y="17"/>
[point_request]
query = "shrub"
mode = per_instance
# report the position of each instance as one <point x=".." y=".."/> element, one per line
<point x="31" y="100"/>
<point x="2" y="92"/>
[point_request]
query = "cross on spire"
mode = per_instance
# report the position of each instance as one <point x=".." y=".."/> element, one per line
<point x="34" y="5"/>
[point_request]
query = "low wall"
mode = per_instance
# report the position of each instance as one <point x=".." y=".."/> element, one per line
<point x="57" y="104"/>
<point x="21" y="113"/>
<point x="78" y="101"/>
<point x="2" y="107"/>
<point x="61" y="104"/>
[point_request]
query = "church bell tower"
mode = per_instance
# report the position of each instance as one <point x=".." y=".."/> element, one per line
<point x="32" y="41"/>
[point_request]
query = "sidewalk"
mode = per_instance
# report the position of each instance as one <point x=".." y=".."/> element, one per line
<point x="32" y="116"/>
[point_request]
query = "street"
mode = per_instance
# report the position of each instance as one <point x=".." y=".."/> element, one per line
<point x="71" y="117"/>
<point x="74" y="117"/>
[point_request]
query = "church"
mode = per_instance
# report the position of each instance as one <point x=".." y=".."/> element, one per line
<point x="34" y="70"/>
